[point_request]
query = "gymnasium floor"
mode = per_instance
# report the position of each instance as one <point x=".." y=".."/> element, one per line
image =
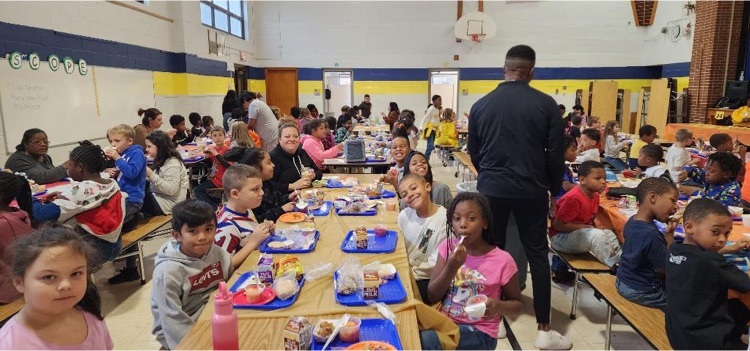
<point x="128" y="313"/>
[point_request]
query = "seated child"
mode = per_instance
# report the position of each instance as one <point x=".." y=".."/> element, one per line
<point x="447" y="135"/>
<point x="207" y="124"/>
<point x="698" y="277"/>
<point x="15" y="222"/>
<point x="215" y="153"/>
<point x="90" y="204"/>
<point x="407" y="119"/>
<point x="312" y="142"/>
<point x="239" y="135"/>
<point x="399" y="150"/>
<point x="560" y="271"/>
<point x="575" y="127"/>
<point x="423" y="225"/>
<point x="719" y="179"/>
<point x="649" y="157"/>
<point x="187" y="271"/>
<point x="329" y="140"/>
<point x="275" y="201"/>
<point x="722" y="142"/>
<point x="236" y="232"/>
<point x="677" y="156"/>
<point x="470" y="266"/>
<point x="589" y="152"/>
<point x="612" y="148"/>
<point x="181" y="136"/>
<point x="573" y="230"/>
<point x="646" y="135"/>
<point x="640" y="276"/>
<point x="344" y="129"/>
<point x="596" y="123"/>
<point x="196" y="131"/>
<point x="167" y="177"/>
<point x="49" y="263"/>
<point x="416" y="162"/>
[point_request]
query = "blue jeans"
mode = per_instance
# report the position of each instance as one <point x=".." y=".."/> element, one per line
<point x="200" y="193"/>
<point x="471" y="339"/>
<point x="656" y="298"/>
<point x="617" y="163"/>
<point x="430" y="145"/>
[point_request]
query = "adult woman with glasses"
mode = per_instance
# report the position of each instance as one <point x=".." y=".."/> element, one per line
<point x="31" y="158"/>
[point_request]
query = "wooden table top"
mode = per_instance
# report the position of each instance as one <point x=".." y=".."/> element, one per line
<point x="360" y="128"/>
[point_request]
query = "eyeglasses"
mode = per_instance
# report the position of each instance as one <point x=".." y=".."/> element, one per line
<point x="39" y="142"/>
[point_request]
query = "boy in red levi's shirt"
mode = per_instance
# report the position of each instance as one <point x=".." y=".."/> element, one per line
<point x="573" y="230"/>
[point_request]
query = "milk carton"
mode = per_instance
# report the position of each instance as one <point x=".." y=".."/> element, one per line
<point x="298" y="334"/>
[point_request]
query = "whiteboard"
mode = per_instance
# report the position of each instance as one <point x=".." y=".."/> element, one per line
<point x="70" y="107"/>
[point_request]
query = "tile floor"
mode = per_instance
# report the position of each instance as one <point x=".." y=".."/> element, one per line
<point x="128" y="314"/>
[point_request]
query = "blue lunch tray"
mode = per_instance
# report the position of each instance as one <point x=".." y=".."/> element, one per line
<point x="371" y="212"/>
<point x="372" y="329"/>
<point x="389" y="293"/>
<point x="610" y="176"/>
<point x="373" y="159"/>
<point x="337" y="185"/>
<point x="324" y="210"/>
<point x="375" y="244"/>
<point x="385" y="195"/>
<point x="273" y="305"/>
<point x="265" y="249"/>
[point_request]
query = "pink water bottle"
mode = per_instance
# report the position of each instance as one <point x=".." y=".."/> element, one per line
<point x="224" y="322"/>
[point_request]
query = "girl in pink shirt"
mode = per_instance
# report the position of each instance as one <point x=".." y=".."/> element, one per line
<point x="63" y="309"/>
<point x="469" y="265"/>
<point x="312" y="142"/>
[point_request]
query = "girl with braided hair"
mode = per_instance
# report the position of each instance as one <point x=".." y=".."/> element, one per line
<point x="14" y="223"/>
<point x="92" y="205"/>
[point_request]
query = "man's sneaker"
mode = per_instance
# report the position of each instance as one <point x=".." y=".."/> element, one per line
<point x="125" y="275"/>
<point x="563" y="277"/>
<point x="502" y="333"/>
<point x="552" y="340"/>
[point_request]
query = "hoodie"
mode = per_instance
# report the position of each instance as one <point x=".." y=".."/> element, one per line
<point x="289" y="167"/>
<point x="132" y="178"/>
<point x="314" y="148"/>
<point x="181" y="288"/>
<point x="13" y="225"/>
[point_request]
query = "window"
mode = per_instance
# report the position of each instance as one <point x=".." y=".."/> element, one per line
<point x="226" y="16"/>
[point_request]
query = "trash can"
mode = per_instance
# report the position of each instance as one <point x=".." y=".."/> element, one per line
<point x="467" y="187"/>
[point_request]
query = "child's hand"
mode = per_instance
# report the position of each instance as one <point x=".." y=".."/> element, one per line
<point x="688" y="190"/>
<point x="111" y="153"/>
<point x="637" y="171"/>
<point x="52" y="197"/>
<point x="211" y="151"/>
<point x="671" y="226"/>
<point x="65" y="164"/>
<point x="112" y="172"/>
<point x="492" y="309"/>
<point x="300" y="184"/>
<point x="294" y="195"/>
<point x="682" y="176"/>
<point x="736" y="247"/>
<point x="171" y="133"/>
<point x="458" y="257"/>
<point x="261" y="233"/>
<point x="149" y="172"/>
<point x="288" y="207"/>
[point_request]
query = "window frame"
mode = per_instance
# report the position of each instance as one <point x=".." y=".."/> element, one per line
<point x="230" y="16"/>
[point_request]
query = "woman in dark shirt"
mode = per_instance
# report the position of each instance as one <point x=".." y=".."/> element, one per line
<point x="31" y="158"/>
<point x="290" y="159"/>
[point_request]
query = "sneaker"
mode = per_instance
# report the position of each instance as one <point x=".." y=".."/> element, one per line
<point x="552" y="340"/>
<point x="563" y="277"/>
<point x="502" y="333"/>
<point x="125" y="275"/>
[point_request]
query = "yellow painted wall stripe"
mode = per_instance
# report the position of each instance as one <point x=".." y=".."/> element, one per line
<point x="190" y="84"/>
<point x="257" y="85"/>
<point x="307" y="87"/>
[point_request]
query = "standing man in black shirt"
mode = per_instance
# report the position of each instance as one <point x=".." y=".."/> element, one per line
<point x="366" y="107"/>
<point x="516" y="144"/>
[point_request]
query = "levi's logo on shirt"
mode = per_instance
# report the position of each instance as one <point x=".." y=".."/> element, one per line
<point x="206" y="277"/>
<point x="677" y="259"/>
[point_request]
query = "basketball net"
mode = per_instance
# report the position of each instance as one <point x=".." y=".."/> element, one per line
<point x="477" y="38"/>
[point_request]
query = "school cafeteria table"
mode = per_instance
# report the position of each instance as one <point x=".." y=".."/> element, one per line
<point x="705" y="131"/>
<point x="360" y="128"/>
<point x="263" y="329"/>
<point x="610" y="216"/>
<point x="350" y="167"/>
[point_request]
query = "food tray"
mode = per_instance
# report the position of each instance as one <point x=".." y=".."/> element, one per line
<point x="372" y="329"/>
<point x="375" y="159"/>
<point x="385" y="195"/>
<point x="273" y="305"/>
<point x="389" y="293"/>
<point x="324" y="210"/>
<point x="265" y="249"/>
<point x="371" y="212"/>
<point x="339" y="185"/>
<point x="375" y="244"/>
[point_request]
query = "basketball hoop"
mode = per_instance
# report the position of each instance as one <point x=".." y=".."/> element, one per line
<point x="477" y="38"/>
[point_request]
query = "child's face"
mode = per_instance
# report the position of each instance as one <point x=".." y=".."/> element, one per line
<point x="151" y="149"/>
<point x="571" y="152"/>
<point x="616" y="128"/>
<point x="715" y="175"/>
<point x="711" y="233"/>
<point x="319" y="132"/>
<point x="649" y="138"/>
<point x="55" y="282"/>
<point x="586" y="142"/>
<point x="726" y="147"/>
<point x="218" y="138"/>
<point x="415" y="192"/>
<point x="180" y="127"/>
<point x="267" y="167"/>
<point x="120" y="142"/>
<point x="399" y="150"/>
<point x="348" y="124"/>
<point x="75" y="170"/>
<point x="595" y="181"/>
<point x="418" y="165"/>
<point x="468" y="221"/>
<point x="251" y="193"/>
<point x="645" y="161"/>
<point x="198" y="123"/>
<point x="196" y="241"/>
<point x="596" y="125"/>
<point x="663" y="205"/>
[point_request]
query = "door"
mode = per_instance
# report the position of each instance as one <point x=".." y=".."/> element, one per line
<point x="340" y="85"/>
<point x="445" y="84"/>
<point x="281" y="88"/>
<point x="240" y="78"/>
